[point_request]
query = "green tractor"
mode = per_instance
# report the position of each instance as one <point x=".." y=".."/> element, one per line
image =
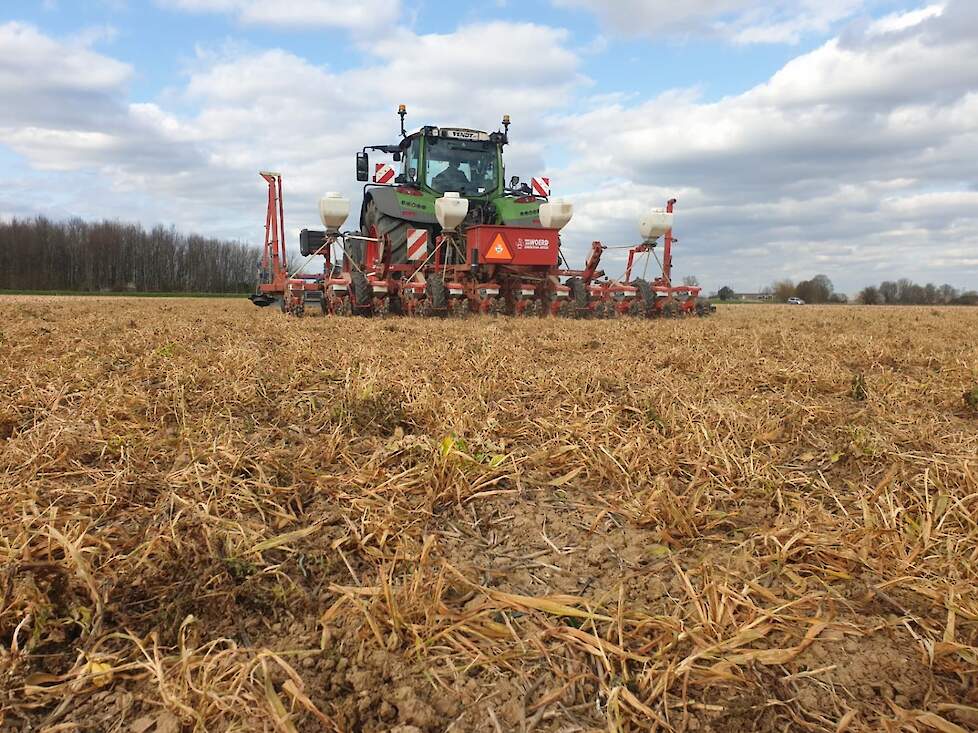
<point x="432" y="162"/>
<point x="443" y="231"/>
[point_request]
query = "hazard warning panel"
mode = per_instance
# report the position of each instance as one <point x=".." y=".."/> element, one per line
<point x="540" y="186"/>
<point x="513" y="245"/>
<point x="383" y="173"/>
<point x="498" y="250"/>
<point x="417" y="244"/>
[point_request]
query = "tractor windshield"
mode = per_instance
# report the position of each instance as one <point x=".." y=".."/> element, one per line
<point x="466" y="166"/>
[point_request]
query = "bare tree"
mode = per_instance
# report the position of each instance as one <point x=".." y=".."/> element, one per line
<point x="38" y="254"/>
<point x="783" y="289"/>
<point x="907" y="292"/>
<point x="817" y="290"/>
<point x="870" y="296"/>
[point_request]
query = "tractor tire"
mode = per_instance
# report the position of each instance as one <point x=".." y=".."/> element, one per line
<point x="362" y="295"/>
<point x="646" y="298"/>
<point x="509" y="303"/>
<point x="353" y="254"/>
<point x="544" y="302"/>
<point x="437" y="296"/>
<point x="579" y="297"/>
<point x="376" y="224"/>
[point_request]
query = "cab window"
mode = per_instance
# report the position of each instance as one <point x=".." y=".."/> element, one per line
<point x="468" y="167"/>
<point x="412" y="161"/>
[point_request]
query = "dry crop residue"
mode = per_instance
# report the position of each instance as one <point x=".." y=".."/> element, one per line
<point x="216" y="518"/>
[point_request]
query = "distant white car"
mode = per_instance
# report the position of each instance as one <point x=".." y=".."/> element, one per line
<point x="796" y="301"/>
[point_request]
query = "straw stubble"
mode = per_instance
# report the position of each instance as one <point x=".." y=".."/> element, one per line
<point x="217" y="518"/>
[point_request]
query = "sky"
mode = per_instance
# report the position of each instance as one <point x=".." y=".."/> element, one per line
<point x="799" y="136"/>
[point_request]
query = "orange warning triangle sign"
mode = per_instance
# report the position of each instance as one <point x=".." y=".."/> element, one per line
<point x="498" y="249"/>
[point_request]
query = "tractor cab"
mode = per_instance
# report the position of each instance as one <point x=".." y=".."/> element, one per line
<point x="439" y="160"/>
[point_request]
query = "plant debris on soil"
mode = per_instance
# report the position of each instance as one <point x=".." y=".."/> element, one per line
<point x="218" y="518"/>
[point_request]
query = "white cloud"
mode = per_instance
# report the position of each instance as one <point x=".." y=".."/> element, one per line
<point x="274" y="109"/>
<point x="849" y="160"/>
<point x="32" y="59"/>
<point x="60" y="149"/>
<point x="356" y="14"/>
<point x="740" y="21"/>
<point x="901" y="21"/>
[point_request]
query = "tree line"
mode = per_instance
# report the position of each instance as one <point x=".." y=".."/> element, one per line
<point x="907" y="292"/>
<point x="817" y="290"/>
<point x="900" y="292"/>
<point x="41" y="254"/>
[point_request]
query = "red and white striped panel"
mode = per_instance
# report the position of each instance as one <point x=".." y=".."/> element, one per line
<point x="383" y="173"/>
<point x="540" y="186"/>
<point x="417" y="244"/>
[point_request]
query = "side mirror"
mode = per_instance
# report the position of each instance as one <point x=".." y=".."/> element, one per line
<point x="397" y="157"/>
<point x="363" y="167"/>
<point x="514" y="181"/>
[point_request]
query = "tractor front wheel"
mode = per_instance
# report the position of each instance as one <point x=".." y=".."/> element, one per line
<point x="437" y="296"/>
<point x="645" y="302"/>
<point x="362" y="295"/>
<point x="376" y="224"/>
<point x="580" y="297"/>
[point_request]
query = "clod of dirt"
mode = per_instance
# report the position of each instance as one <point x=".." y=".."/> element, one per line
<point x="971" y="398"/>
<point x="412" y="710"/>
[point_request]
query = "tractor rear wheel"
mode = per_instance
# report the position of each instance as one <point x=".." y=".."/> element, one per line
<point x="437" y="296"/>
<point x="646" y="298"/>
<point x="376" y="224"/>
<point x="353" y="253"/>
<point x="362" y="295"/>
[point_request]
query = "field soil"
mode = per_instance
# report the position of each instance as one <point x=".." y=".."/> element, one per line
<point x="218" y="518"/>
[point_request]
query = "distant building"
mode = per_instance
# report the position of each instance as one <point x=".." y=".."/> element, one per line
<point x="753" y="296"/>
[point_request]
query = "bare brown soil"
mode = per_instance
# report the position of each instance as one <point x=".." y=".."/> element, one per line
<point x="216" y="518"/>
